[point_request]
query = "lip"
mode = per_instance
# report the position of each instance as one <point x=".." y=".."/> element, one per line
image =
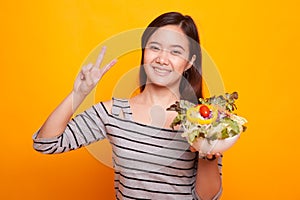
<point x="162" y="71"/>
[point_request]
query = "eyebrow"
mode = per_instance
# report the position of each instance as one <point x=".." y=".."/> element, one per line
<point x="174" y="45"/>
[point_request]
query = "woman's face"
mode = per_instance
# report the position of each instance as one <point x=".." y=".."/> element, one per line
<point x="166" y="56"/>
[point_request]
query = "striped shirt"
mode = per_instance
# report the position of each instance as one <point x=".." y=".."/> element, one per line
<point x="149" y="162"/>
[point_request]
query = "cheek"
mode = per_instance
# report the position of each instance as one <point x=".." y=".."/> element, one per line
<point x="148" y="56"/>
<point x="180" y="65"/>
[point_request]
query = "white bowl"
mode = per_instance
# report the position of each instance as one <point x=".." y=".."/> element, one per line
<point x="214" y="146"/>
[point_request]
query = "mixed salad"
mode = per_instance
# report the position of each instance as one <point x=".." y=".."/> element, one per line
<point x="213" y="118"/>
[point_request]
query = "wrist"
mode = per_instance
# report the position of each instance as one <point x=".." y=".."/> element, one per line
<point x="77" y="99"/>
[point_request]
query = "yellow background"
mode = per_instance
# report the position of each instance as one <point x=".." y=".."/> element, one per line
<point x="254" y="43"/>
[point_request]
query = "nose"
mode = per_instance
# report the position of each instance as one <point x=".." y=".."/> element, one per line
<point x="162" y="57"/>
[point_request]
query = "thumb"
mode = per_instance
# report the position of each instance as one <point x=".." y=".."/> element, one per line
<point x="192" y="149"/>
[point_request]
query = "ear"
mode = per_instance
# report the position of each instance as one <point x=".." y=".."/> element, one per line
<point x="191" y="62"/>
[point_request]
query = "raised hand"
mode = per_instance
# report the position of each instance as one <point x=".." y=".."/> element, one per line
<point x="90" y="75"/>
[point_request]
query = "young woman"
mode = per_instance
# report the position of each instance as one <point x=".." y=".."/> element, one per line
<point x="151" y="161"/>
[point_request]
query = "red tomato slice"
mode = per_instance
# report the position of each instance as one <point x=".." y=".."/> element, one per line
<point x="204" y="111"/>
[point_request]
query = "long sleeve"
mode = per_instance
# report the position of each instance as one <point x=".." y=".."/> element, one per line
<point x="87" y="127"/>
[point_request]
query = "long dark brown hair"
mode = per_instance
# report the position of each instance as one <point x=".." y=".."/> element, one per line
<point x="191" y="83"/>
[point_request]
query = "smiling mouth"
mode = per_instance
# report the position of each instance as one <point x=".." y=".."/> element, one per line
<point x="162" y="71"/>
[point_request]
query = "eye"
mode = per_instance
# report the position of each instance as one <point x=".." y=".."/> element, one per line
<point x="176" y="52"/>
<point x="154" y="47"/>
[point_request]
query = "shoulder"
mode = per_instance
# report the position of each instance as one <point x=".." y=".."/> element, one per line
<point x="119" y="102"/>
<point x="108" y="105"/>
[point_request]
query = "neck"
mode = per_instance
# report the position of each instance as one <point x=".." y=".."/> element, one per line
<point x="156" y="95"/>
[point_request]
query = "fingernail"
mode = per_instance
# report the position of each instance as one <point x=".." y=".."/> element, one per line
<point x="114" y="61"/>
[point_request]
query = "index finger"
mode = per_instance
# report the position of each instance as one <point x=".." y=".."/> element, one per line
<point x="100" y="57"/>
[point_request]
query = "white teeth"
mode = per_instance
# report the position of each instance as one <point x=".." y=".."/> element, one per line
<point x="160" y="70"/>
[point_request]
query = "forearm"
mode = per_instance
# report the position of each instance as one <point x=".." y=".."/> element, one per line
<point x="208" y="181"/>
<point x="59" y="118"/>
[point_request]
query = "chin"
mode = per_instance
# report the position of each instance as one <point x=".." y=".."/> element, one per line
<point x="163" y="84"/>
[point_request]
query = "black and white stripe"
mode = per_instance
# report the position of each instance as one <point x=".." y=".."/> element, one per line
<point x="149" y="162"/>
